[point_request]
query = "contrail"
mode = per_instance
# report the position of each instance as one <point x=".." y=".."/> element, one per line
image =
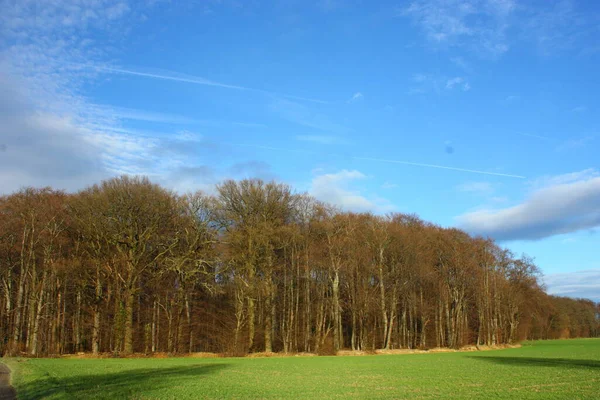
<point x="382" y="160"/>
<point x="473" y="171"/>
<point x="198" y="81"/>
<point x="535" y="136"/>
<point x="195" y="80"/>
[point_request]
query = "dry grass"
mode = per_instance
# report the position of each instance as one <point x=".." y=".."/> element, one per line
<point x="341" y="353"/>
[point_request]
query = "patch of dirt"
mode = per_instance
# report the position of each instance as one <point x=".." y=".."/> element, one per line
<point x="7" y="392"/>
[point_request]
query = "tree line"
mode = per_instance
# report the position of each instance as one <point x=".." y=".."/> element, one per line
<point x="127" y="266"/>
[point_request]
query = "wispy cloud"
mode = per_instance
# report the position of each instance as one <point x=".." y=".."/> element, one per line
<point x="491" y="27"/>
<point x="568" y="203"/>
<point x="67" y="16"/>
<point x="355" y="97"/>
<point x="480" y="25"/>
<point x="458" y="82"/>
<point x="425" y="83"/>
<point x="450" y="83"/>
<point x="562" y="179"/>
<point x="556" y="26"/>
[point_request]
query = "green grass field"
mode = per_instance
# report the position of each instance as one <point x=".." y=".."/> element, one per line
<point x="562" y="369"/>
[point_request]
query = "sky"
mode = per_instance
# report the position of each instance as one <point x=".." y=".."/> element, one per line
<point x="476" y="114"/>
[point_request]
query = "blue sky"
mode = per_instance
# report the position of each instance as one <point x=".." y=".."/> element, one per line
<point x="480" y="114"/>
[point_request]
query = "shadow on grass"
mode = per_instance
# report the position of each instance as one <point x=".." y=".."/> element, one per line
<point x="542" y="362"/>
<point x="135" y="383"/>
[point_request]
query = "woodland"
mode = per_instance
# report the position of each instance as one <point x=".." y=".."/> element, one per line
<point x="127" y="266"/>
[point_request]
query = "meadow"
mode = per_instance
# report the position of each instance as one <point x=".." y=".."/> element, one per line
<point x="559" y="369"/>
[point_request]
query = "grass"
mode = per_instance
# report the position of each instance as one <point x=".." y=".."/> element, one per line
<point x="561" y="369"/>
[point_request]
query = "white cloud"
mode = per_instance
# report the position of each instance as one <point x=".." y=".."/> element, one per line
<point x="567" y="203"/>
<point x="571" y="177"/>
<point x="389" y="185"/>
<point x="578" y="284"/>
<point x="40" y="149"/>
<point x="50" y="134"/>
<point x="425" y="83"/>
<point x="355" y="97"/>
<point x="336" y="189"/>
<point x="450" y="83"/>
<point x="458" y="82"/>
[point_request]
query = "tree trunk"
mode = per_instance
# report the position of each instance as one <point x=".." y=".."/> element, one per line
<point x="268" y="325"/>
<point x="38" y="314"/>
<point x="336" y="311"/>
<point x="154" y="317"/>
<point x="97" y="314"/>
<point x="384" y="314"/>
<point x="129" y="304"/>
